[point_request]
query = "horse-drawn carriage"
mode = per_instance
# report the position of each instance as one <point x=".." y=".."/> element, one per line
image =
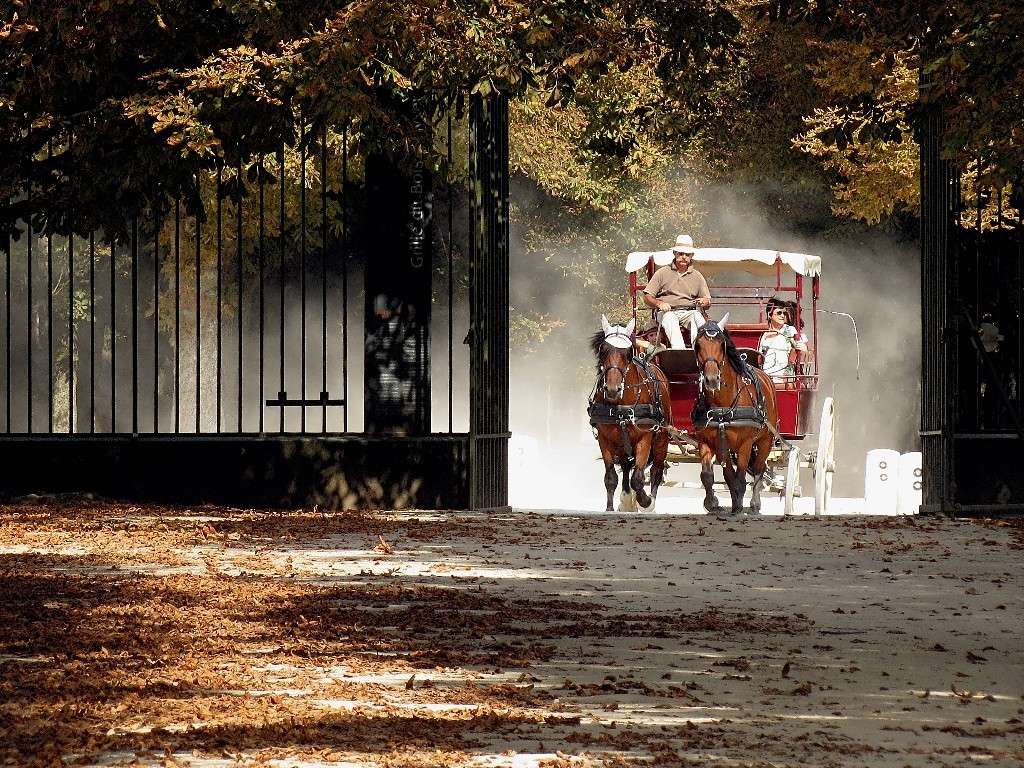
<point x="744" y="283"/>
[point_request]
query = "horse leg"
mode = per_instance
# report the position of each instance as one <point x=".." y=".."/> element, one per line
<point x="740" y="482"/>
<point x="729" y="470"/>
<point x="764" y="446"/>
<point x="643" y="452"/>
<point x="755" y="493"/>
<point x="659" y="455"/>
<point x="626" y="501"/>
<point x="707" y="477"/>
<point x="611" y="480"/>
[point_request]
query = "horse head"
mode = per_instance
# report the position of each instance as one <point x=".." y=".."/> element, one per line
<point x="709" y="344"/>
<point x="614" y="356"/>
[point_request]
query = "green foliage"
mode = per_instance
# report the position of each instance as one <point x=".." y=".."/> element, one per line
<point x="168" y="89"/>
<point x="872" y="150"/>
<point x="972" y="58"/>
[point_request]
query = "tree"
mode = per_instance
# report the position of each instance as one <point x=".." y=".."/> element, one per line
<point x="971" y="55"/>
<point x="877" y="168"/>
<point x="170" y="88"/>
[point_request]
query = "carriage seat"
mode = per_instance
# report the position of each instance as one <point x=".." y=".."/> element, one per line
<point x="746" y="327"/>
<point x="746" y="335"/>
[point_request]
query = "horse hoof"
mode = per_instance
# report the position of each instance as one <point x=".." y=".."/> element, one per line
<point x="713" y="506"/>
<point x="755" y="511"/>
<point x="648" y="508"/>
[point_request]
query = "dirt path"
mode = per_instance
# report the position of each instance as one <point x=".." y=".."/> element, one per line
<point x="215" y="637"/>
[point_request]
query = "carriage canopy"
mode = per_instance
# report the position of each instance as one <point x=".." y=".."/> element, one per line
<point x="756" y="261"/>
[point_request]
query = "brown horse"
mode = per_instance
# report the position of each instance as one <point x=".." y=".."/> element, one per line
<point x="628" y="408"/>
<point x="731" y="418"/>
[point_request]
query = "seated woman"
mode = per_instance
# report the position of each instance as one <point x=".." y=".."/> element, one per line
<point x="779" y="341"/>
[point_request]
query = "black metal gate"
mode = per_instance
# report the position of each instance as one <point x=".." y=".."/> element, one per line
<point x="287" y="315"/>
<point x="972" y="431"/>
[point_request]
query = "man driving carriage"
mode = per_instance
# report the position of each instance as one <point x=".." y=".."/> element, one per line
<point x="678" y="293"/>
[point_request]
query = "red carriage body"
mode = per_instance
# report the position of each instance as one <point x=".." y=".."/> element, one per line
<point x="790" y="276"/>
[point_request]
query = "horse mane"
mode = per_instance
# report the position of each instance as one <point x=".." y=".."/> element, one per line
<point x="596" y="343"/>
<point x="732" y="354"/>
<point x="738" y="363"/>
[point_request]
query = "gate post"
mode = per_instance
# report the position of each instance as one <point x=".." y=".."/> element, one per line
<point x="489" y="302"/>
<point x="396" y="371"/>
<point x="939" y="200"/>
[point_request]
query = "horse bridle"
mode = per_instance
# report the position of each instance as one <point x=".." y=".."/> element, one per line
<point x="603" y="372"/>
<point x="719" y="362"/>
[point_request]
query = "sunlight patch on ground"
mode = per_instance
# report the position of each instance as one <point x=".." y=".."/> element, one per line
<point x="24" y="549"/>
<point x="646" y="714"/>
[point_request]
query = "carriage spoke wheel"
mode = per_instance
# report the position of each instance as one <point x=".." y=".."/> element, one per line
<point x="792" y="489"/>
<point x="824" y="461"/>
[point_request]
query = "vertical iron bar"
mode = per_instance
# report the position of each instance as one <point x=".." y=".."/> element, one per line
<point x="199" y="335"/>
<point x="323" y="271"/>
<point x="156" y="320"/>
<point x="49" y="312"/>
<point x="28" y="294"/>
<point x="71" y="304"/>
<point x="979" y="421"/>
<point x="475" y="384"/>
<point x="1016" y="244"/>
<point x="177" y="314"/>
<point x="262" y="234"/>
<point x="238" y="269"/>
<point x="281" y="376"/>
<point x="7" y="309"/>
<point x="451" y="288"/>
<point x="344" y="277"/>
<point x="92" y="331"/>
<point x="113" y="341"/>
<point x="997" y="300"/>
<point x="219" y="246"/>
<point x="135" y="326"/>
<point x="302" y="271"/>
<point x="71" y="331"/>
<point x="49" y="333"/>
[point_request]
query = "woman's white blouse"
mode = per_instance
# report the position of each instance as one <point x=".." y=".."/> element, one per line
<point x="776" y="346"/>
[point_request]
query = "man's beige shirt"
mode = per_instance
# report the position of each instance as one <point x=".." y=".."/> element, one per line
<point x="677" y="288"/>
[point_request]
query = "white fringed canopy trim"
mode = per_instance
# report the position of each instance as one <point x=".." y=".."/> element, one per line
<point x="753" y="260"/>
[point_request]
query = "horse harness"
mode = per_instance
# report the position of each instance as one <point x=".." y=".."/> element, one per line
<point x="641" y="415"/>
<point x="734" y="415"/>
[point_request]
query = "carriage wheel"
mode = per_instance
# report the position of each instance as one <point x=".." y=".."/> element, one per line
<point x="792" y="489"/>
<point x="824" y="461"/>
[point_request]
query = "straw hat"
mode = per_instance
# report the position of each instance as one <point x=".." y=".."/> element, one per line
<point x="684" y="244"/>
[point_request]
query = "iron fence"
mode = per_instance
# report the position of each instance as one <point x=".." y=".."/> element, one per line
<point x="245" y="310"/>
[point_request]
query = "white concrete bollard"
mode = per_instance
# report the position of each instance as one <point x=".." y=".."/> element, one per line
<point x="910" y="493"/>
<point x="881" y="482"/>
